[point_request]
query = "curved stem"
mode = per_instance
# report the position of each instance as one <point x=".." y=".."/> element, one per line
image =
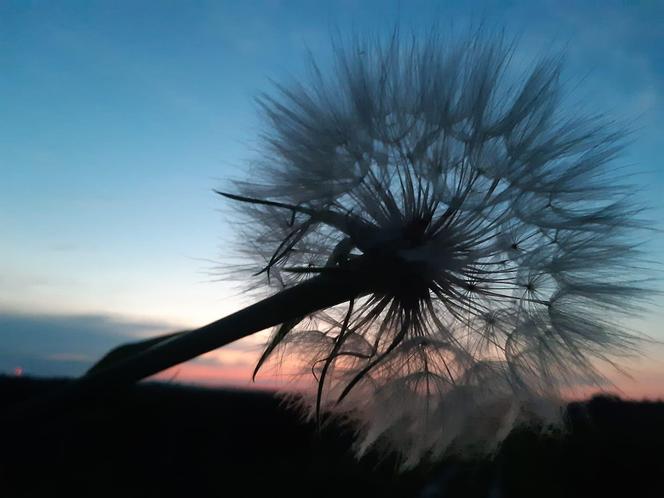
<point x="316" y="293"/>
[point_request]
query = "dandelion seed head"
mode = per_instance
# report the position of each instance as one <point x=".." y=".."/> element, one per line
<point x="498" y="243"/>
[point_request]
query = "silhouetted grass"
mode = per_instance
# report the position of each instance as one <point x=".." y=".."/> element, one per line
<point x="164" y="440"/>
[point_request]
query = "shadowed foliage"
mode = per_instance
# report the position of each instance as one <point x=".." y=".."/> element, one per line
<point x="156" y="440"/>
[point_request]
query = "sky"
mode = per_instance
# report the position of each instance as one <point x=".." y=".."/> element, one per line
<point x="120" y="118"/>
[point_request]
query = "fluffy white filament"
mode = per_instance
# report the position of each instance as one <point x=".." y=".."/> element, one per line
<point x="499" y="240"/>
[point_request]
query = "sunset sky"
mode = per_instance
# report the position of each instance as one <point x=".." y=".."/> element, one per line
<point x="119" y="118"/>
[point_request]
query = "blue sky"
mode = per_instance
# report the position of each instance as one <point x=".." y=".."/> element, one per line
<point x="121" y="117"/>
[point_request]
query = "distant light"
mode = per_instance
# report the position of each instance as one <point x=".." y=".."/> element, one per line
<point x="18" y="371"/>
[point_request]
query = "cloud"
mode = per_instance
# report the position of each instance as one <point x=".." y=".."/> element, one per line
<point x="64" y="345"/>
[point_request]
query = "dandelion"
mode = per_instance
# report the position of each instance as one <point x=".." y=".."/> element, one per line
<point x="451" y="245"/>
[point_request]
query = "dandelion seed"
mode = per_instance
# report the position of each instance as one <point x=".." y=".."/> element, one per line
<point x="498" y="245"/>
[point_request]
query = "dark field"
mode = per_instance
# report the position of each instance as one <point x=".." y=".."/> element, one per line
<point x="161" y="441"/>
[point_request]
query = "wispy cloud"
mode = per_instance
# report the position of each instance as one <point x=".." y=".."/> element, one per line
<point x="63" y="344"/>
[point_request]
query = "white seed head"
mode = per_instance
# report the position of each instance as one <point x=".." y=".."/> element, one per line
<point x="499" y="241"/>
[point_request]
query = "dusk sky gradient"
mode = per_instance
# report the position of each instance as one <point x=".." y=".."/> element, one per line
<point x="119" y="118"/>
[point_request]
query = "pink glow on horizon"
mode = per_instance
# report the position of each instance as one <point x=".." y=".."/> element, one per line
<point x="644" y="385"/>
<point x="237" y="376"/>
<point x="642" y="378"/>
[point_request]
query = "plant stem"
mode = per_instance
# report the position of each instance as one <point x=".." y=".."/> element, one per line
<point x="312" y="295"/>
<point x="316" y="293"/>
